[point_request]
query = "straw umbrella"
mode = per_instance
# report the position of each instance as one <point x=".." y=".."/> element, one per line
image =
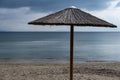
<point x="72" y="17"/>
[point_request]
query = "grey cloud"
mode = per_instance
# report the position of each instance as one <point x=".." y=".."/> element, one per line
<point x="48" y="5"/>
<point x="118" y="5"/>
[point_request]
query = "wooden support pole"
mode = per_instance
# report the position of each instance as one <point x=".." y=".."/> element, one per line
<point x="71" y="50"/>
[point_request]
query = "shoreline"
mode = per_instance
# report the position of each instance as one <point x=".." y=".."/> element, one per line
<point x="52" y="61"/>
<point x="59" y="71"/>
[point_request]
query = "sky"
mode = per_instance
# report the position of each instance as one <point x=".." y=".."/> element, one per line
<point x="15" y="14"/>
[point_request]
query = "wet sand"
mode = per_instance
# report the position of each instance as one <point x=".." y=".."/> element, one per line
<point x="59" y="71"/>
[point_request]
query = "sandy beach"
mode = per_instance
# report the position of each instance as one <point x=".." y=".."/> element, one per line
<point x="59" y="71"/>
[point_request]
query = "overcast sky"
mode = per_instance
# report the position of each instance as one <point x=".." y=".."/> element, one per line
<point x="15" y="14"/>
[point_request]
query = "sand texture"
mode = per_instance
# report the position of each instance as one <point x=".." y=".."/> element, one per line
<point x="59" y="71"/>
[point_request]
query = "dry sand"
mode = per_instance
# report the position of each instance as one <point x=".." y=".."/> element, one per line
<point x="59" y="71"/>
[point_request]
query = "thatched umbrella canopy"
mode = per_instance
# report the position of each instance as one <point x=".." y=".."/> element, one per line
<point x="72" y="17"/>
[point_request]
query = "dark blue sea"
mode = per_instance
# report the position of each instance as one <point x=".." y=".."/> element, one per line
<point x="54" y="46"/>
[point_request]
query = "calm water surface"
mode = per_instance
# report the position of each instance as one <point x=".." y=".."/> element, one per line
<point x="47" y="46"/>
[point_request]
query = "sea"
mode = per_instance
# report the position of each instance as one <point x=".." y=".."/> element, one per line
<point x="55" y="46"/>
